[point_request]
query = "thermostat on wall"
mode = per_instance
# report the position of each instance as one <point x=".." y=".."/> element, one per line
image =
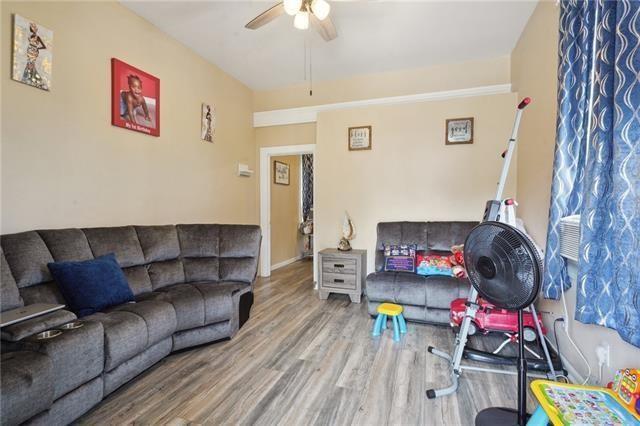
<point x="243" y="170"/>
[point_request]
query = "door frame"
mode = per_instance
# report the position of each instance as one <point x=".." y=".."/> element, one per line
<point x="265" y="198"/>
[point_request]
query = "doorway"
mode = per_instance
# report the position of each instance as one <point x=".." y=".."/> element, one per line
<point x="268" y="156"/>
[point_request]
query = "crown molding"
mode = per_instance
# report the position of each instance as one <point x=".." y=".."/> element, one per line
<point x="309" y="114"/>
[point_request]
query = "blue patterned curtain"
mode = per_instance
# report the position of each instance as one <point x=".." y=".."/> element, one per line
<point x="597" y="162"/>
<point x="574" y="88"/>
<point x="609" y="264"/>
<point x="307" y="185"/>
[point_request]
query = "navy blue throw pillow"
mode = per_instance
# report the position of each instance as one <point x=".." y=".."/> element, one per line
<point x="91" y="285"/>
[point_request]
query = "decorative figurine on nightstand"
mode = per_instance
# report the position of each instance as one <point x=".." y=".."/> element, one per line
<point x="348" y="233"/>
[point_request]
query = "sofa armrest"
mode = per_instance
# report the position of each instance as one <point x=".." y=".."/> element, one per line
<point x="18" y="331"/>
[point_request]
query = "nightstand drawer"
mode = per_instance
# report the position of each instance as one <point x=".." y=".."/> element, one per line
<point x="338" y="280"/>
<point x="338" y="266"/>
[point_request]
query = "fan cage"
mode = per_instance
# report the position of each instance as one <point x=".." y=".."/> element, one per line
<point x="513" y="258"/>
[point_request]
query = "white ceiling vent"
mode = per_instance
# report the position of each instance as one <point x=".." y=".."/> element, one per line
<point x="570" y="237"/>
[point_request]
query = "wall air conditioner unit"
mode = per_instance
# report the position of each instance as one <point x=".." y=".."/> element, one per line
<point x="570" y="237"/>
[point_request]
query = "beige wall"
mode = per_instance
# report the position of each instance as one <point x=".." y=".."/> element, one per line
<point x="63" y="164"/>
<point x="534" y="73"/>
<point x="285" y="212"/>
<point x="409" y="174"/>
<point x="293" y="134"/>
<point x="406" y="82"/>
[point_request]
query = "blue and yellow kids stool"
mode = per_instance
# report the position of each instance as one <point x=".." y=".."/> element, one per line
<point x="393" y="311"/>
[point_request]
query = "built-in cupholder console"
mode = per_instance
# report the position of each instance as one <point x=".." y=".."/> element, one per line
<point x="71" y="325"/>
<point x="49" y="334"/>
<point x="55" y="332"/>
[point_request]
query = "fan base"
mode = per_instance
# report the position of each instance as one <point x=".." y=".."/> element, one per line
<point x="497" y="416"/>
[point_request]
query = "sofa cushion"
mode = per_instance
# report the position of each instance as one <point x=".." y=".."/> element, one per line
<point x="159" y="316"/>
<point x="166" y="273"/>
<point x="397" y="233"/>
<point x="239" y="240"/>
<point x="138" y="279"/>
<point x="67" y="244"/>
<point x="125" y="336"/>
<point x="9" y="295"/>
<point x="92" y="285"/>
<point x="77" y="356"/>
<point x="27" y="256"/>
<point x="121" y="240"/>
<point x="243" y="269"/>
<point x="186" y="300"/>
<point x="26" y="386"/>
<point x="71" y="406"/>
<point x="201" y="269"/>
<point x="22" y="329"/>
<point x="443" y="235"/>
<point x="218" y="300"/>
<point x="132" y="367"/>
<point x="199" y="240"/>
<point x="442" y="290"/>
<point x="411" y="289"/>
<point x="48" y="292"/>
<point x="397" y="287"/>
<point x="158" y="242"/>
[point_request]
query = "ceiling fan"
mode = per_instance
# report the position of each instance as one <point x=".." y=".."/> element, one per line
<point x="316" y="11"/>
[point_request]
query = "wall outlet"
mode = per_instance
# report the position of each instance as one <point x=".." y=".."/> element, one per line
<point x="603" y="354"/>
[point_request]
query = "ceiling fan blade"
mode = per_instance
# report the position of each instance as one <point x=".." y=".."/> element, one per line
<point x="325" y="27"/>
<point x="266" y="16"/>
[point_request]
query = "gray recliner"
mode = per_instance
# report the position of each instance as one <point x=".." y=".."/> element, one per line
<point x="424" y="299"/>
<point x="193" y="284"/>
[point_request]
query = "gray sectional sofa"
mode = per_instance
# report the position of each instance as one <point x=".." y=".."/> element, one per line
<point x="193" y="284"/>
<point x="424" y="299"/>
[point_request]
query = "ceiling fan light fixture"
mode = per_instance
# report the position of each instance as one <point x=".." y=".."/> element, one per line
<point x="320" y="8"/>
<point x="292" y="6"/>
<point x="301" y="20"/>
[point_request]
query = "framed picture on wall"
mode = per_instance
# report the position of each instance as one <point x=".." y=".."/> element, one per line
<point x="359" y="138"/>
<point x="32" y="53"/>
<point x="208" y="123"/>
<point x="459" y="131"/>
<point x="135" y="99"/>
<point x="280" y="173"/>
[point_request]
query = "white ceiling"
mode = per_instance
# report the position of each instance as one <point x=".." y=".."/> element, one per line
<point x="373" y="36"/>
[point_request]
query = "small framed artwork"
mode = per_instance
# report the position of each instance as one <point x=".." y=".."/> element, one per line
<point x="208" y="125"/>
<point x="32" y="53"/>
<point x="459" y="131"/>
<point x="135" y="99"/>
<point x="280" y="173"/>
<point x="359" y="138"/>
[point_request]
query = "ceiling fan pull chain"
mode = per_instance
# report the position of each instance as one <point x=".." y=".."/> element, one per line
<point x="310" y="73"/>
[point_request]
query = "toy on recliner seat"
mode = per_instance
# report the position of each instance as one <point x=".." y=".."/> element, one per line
<point x="457" y="260"/>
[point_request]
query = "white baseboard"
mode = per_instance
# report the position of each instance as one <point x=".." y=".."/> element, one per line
<point x="285" y="263"/>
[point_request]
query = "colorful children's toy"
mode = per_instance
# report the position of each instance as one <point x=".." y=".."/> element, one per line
<point x="626" y="385"/>
<point x="566" y="404"/>
<point x="489" y="318"/>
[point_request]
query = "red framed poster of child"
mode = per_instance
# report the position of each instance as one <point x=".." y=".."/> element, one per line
<point x="135" y="99"/>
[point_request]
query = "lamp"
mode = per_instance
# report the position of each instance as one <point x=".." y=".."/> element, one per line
<point x="292" y="6"/>
<point x="301" y="20"/>
<point x="320" y="8"/>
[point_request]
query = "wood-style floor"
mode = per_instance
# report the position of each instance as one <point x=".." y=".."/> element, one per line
<point x="302" y="361"/>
